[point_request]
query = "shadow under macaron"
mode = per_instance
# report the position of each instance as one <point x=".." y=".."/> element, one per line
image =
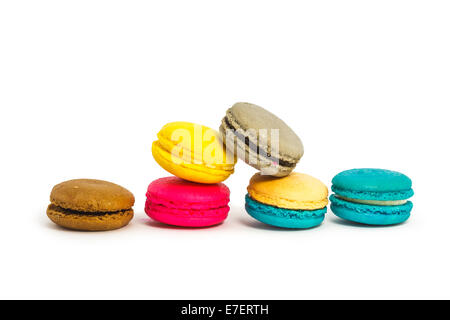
<point x="52" y="226"/>
<point x="156" y="224"/>
<point x="348" y="223"/>
<point x="255" y="224"/>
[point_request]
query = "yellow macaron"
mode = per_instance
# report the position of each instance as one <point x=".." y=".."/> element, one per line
<point x="297" y="191"/>
<point x="193" y="152"/>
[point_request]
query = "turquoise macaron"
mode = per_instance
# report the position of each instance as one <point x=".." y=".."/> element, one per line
<point x="284" y="218"/>
<point x="372" y="196"/>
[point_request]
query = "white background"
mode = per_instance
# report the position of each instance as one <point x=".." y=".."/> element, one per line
<point x="86" y="85"/>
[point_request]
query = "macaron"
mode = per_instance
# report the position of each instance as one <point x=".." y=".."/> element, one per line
<point x="193" y="152"/>
<point x="90" y="205"/>
<point x="295" y="201"/>
<point x="261" y="139"/>
<point x="372" y="196"/>
<point x="178" y="202"/>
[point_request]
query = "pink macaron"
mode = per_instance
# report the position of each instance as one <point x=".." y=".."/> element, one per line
<point x="178" y="202"/>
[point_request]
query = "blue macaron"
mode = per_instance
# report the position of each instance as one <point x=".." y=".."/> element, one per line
<point x="284" y="218"/>
<point x="372" y="196"/>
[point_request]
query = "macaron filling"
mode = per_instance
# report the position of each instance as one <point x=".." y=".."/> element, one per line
<point x="367" y="209"/>
<point x="83" y="213"/>
<point x="218" y="211"/>
<point x="374" y="202"/>
<point x="189" y="156"/>
<point x="267" y="209"/>
<point x="212" y="169"/>
<point x="187" y="205"/>
<point x="373" y="195"/>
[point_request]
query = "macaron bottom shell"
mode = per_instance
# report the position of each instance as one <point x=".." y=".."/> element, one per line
<point x="370" y="214"/>
<point x="186" y="218"/>
<point x="284" y="218"/>
<point x="88" y="221"/>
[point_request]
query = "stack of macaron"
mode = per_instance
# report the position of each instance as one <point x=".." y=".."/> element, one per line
<point x="200" y="159"/>
<point x="276" y="196"/>
<point x="279" y="197"/>
<point x="195" y="196"/>
<point x="294" y="201"/>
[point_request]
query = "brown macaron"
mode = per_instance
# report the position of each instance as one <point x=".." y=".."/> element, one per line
<point x="90" y="205"/>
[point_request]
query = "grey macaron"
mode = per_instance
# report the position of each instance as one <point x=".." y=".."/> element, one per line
<point x="261" y="139"/>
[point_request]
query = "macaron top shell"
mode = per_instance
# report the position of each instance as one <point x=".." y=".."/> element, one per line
<point x="246" y="116"/>
<point x="173" y="191"/>
<point x="90" y="195"/>
<point x="372" y="184"/>
<point x="295" y="191"/>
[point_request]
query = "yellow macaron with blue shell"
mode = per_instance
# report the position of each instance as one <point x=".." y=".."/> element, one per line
<point x="295" y="201"/>
<point x="193" y="152"/>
